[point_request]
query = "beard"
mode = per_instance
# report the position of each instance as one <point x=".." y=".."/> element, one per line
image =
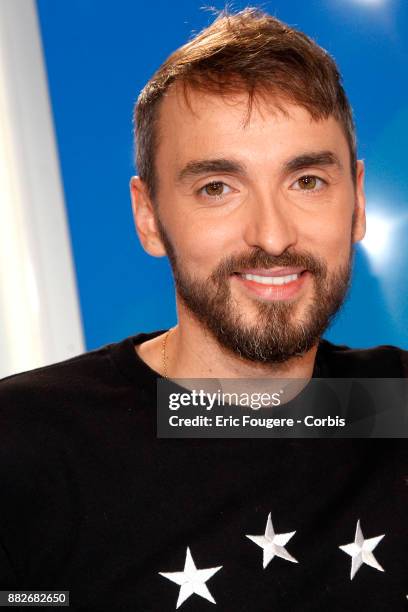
<point x="275" y="335"/>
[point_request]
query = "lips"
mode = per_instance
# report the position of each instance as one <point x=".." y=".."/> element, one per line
<point x="272" y="272"/>
<point x="273" y="284"/>
<point x="271" y="280"/>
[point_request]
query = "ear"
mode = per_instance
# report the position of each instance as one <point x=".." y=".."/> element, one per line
<point x="359" y="227"/>
<point x="145" y="218"/>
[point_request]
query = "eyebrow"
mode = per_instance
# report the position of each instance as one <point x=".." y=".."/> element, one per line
<point x="199" y="167"/>
<point x="314" y="158"/>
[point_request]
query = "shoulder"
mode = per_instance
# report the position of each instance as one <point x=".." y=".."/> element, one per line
<point x="385" y="361"/>
<point x="83" y="378"/>
<point x="49" y="407"/>
<point x="60" y="375"/>
<point x="99" y="379"/>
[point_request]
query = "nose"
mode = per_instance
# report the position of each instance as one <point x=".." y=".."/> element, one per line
<point x="269" y="225"/>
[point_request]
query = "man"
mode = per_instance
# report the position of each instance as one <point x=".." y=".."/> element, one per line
<point x="248" y="181"/>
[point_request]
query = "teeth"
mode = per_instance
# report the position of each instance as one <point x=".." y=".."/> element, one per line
<point x="271" y="280"/>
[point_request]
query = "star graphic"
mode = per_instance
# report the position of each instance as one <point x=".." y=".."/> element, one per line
<point x="273" y="544"/>
<point x="361" y="551"/>
<point x="192" y="580"/>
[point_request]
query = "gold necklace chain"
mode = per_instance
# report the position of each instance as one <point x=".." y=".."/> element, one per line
<point x="164" y="353"/>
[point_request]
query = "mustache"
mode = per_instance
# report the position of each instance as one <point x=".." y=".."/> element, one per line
<point x="261" y="259"/>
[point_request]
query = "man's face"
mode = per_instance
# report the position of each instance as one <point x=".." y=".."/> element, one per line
<point x="256" y="216"/>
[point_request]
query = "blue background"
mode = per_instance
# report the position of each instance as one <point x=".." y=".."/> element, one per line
<point x="99" y="54"/>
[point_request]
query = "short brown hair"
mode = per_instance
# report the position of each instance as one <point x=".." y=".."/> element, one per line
<point x="246" y="51"/>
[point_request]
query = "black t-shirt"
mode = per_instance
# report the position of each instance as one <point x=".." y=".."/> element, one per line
<point x="91" y="501"/>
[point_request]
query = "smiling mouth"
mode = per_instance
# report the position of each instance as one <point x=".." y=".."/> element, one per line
<point x="271" y="280"/>
<point x="276" y="277"/>
<point x="274" y="284"/>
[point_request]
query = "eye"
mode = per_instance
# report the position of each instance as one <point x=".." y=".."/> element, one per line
<point x="215" y="189"/>
<point x="308" y="183"/>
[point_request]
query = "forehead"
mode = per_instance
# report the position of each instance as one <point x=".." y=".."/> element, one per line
<point x="206" y="124"/>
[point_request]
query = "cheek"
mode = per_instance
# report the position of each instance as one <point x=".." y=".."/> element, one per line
<point x="331" y="240"/>
<point x="202" y="244"/>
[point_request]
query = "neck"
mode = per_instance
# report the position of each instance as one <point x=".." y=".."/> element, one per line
<point x="192" y="352"/>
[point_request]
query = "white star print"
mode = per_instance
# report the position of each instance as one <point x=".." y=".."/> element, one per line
<point x="273" y="543"/>
<point x="192" y="580"/>
<point x="361" y="551"/>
